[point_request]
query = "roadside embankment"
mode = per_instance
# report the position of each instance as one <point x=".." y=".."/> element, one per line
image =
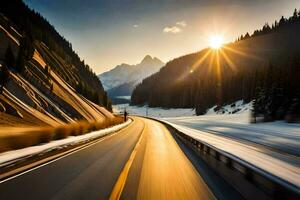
<point x="19" y="138"/>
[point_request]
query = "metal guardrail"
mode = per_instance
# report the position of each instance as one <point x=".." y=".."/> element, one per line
<point x="273" y="186"/>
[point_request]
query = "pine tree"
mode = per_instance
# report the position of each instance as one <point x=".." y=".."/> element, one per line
<point x="247" y="36"/>
<point x="295" y="15"/>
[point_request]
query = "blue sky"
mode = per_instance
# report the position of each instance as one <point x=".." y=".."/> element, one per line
<point x="106" y="33"/>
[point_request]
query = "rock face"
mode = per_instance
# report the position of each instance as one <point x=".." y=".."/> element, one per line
<point x="121" y="80"/>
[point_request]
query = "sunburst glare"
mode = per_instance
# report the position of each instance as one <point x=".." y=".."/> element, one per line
<point x="216" y="41"/>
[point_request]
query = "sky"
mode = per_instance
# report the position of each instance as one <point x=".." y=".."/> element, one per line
<point x="106" y="33"/>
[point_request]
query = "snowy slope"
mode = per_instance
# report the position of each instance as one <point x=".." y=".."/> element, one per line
<point x="130" y="75"/>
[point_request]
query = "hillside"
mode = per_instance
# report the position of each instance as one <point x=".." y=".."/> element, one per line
<point x="256" y="67"/>
<point x="43" y="82"/>
<point x="34" y="27"/>
<point x="121" y="80"/>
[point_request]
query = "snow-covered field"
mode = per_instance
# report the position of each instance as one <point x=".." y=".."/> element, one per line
<point x="278" y="135"/>
<point x="153" y="112"/>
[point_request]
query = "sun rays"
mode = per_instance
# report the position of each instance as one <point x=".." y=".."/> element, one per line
<point x="218" y="59"/>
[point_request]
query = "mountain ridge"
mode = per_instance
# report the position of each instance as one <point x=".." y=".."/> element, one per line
<point x="121" y="80"/>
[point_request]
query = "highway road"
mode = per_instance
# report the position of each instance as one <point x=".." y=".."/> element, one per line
<point x="142" y="161"/>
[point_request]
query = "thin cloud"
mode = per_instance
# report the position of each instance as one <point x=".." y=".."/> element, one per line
<point x="177" y="28"/>
<point x="172" y="29"/>
<point x="135" y="26"/>
<point x="181" y="23"/>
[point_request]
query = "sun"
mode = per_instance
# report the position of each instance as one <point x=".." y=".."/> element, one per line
<point x="216" y="42"/>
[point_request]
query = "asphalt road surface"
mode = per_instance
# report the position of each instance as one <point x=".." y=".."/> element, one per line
<point x="142" y="161"/>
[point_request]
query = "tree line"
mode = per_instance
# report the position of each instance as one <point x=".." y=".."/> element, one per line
<point x="278" y="25"/>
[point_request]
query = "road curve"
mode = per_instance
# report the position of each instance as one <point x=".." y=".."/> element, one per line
<point x="143" y="157"/>
<point x="161" y="170"/>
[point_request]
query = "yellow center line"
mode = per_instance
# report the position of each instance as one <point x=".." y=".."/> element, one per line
<point x="118" y="188"/>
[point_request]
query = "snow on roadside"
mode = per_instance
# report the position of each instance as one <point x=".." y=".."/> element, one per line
<point x="15" y="155"/>
<point x="279" y="134"/>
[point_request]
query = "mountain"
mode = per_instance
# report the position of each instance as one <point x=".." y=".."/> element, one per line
<point x="121" y="80"/>
<point x="263" y="67"/>
<point x="43" y="82"/>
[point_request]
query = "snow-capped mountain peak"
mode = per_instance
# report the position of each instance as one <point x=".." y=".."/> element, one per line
<point x="147" y="59"/>
<point x="127" y="76"/>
